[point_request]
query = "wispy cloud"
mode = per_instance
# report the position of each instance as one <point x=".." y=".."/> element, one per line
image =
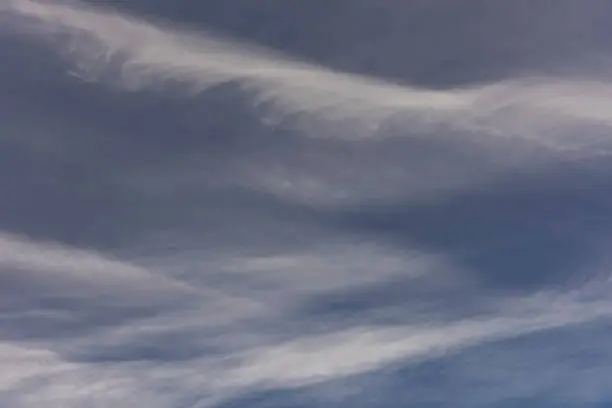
<point x="294" y="297"/>
<point x="229" y="352"/>
<point x="519" y="123"/>
<point x="108" y="46"/>
<point x="310" y="360"/>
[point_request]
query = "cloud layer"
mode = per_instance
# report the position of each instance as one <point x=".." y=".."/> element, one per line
<point x="191" y="220"/>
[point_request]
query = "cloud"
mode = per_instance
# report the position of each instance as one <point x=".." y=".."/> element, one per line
<point x="50" y="289"/>
<point x="310" y="360"/>
<point x="226" y="353"/>
<point x="224" y="278"/>
<point x="55" y="261"/>
<point x="434" y="143"/>
<point x="144" y="55"/>
<point x="153" y="55"/>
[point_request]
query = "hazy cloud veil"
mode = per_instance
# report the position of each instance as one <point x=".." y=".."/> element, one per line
<point x="308" y="203"/>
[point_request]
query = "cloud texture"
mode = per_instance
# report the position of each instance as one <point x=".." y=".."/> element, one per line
<point x="193" y="219"/>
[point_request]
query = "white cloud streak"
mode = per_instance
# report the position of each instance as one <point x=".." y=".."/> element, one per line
<point x="81" y="273"/>
<point x="243" y="363"/>
<point x="311" y="360"/>
<point x="513" y="124"/>
<point x="516" y="123"/>
<point x="143" y="55"/>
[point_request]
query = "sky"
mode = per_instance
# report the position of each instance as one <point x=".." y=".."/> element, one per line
<point x="306" y="203"/>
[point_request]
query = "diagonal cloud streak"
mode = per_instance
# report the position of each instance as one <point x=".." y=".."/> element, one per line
<point x="140" y="55"/>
